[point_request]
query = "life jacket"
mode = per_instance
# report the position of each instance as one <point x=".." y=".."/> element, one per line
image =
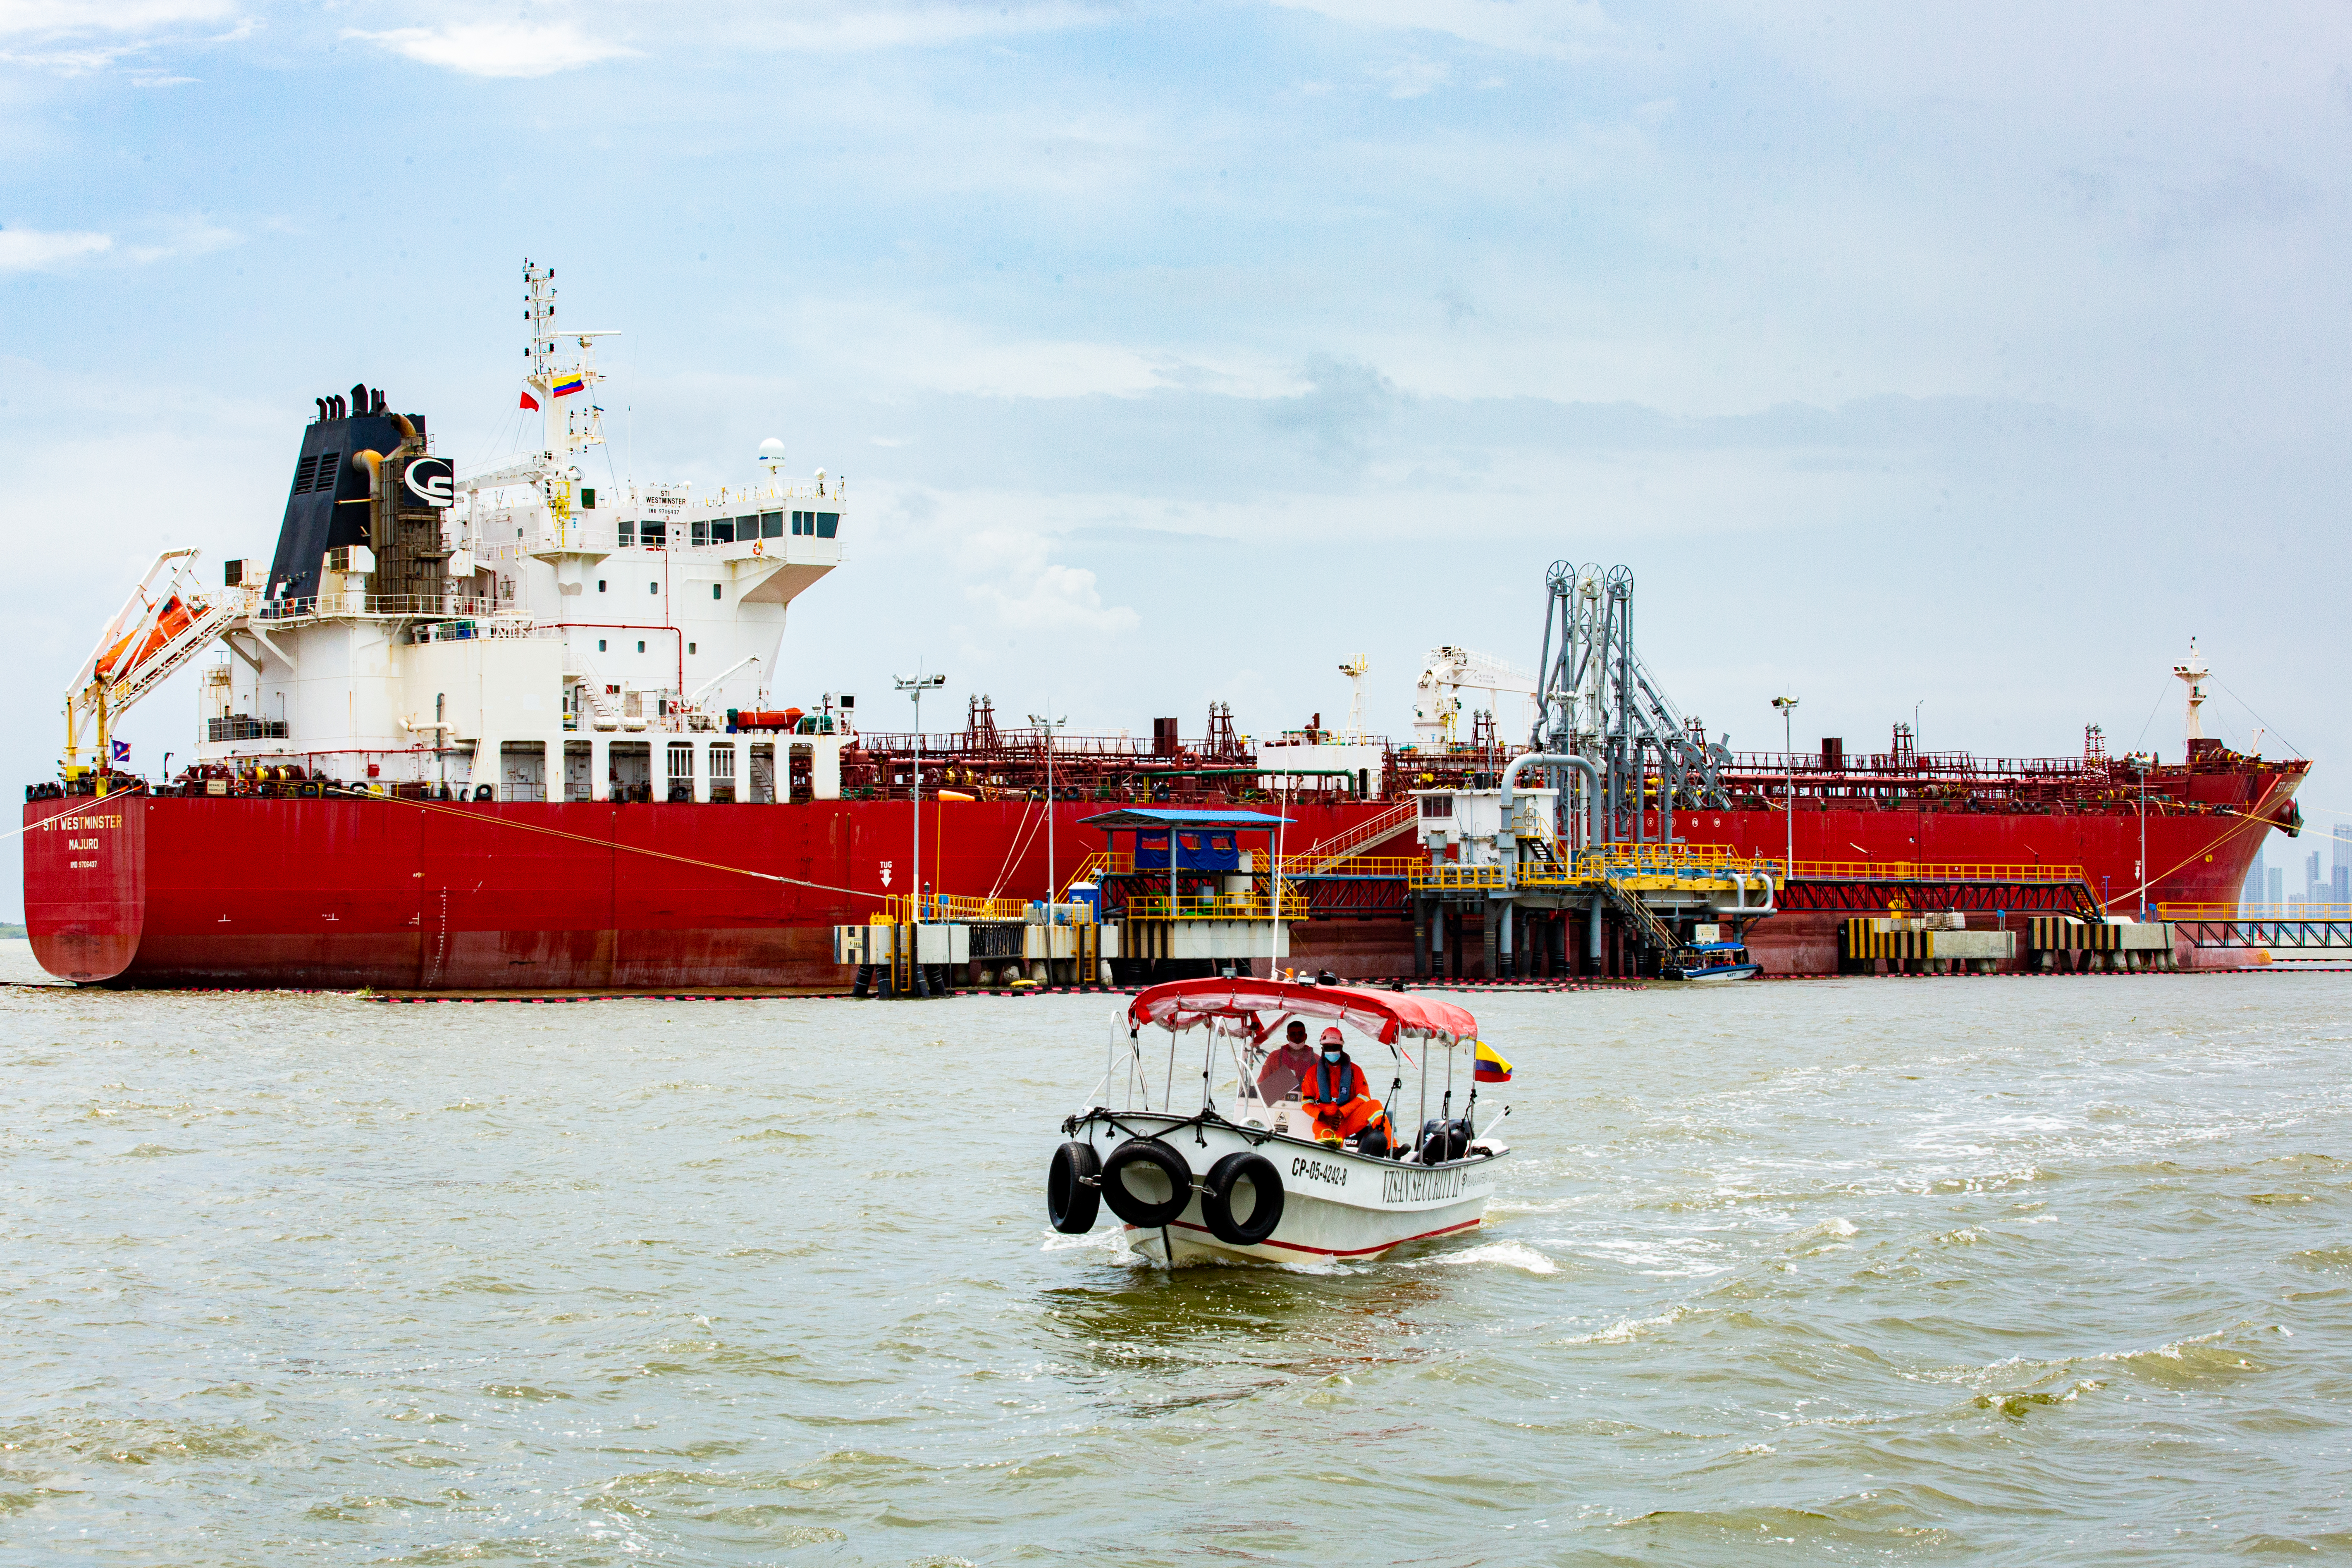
<point x="1334" y="1083"/>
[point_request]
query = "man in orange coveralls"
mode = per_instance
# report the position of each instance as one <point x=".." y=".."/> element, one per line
<point x="1337" y="1097"/>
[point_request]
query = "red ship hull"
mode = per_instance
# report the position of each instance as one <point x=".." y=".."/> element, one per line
<point x="399" y="895"/>
<point x="591" y="897"/>
<point x="2189" y="859"/>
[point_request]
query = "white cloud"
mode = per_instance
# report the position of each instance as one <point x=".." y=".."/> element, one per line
<point x="499" y="48"/>
<point x="67" y="33"/>
<point x="53" y="19"/>
<point x="184" y="237"/>
<point x="940" y="353"/>
<point x="1559" y="28"/>
<point x="1058" y="598"/>
<point x="1414" y="77"/>
<point x="40" y="250"/>
<point x="842" y="28"/>
<point x="1036" y="595"/>
<point x="33" y="250"/>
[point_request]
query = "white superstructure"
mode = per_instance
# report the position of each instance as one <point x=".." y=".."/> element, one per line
<point x="578" y="641"/>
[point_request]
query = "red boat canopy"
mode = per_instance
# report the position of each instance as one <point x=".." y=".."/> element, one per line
<point x="1385" y="1015"/>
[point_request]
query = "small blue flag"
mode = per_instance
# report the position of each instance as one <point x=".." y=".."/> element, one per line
<point x="121" y="750"/>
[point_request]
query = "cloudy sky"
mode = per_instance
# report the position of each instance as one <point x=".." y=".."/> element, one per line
<point x="1969" y="357"/>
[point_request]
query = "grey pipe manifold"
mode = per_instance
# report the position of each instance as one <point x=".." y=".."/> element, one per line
<point x="1552" y="760"/>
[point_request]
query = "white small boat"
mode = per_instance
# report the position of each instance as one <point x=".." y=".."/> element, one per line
<point x="1248" y="1176"/>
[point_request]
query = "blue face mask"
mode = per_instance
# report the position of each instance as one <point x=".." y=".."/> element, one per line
<point x="1332" y="1055"/>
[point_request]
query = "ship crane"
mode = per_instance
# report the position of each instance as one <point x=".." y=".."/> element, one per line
<point x="694" y="703"/>
<point x="1449" y="671"/>
<point x="167" y="620"/>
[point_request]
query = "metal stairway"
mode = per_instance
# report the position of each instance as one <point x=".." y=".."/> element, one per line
<point x="1321" y="858"/>
<point x="1629" y="904"/>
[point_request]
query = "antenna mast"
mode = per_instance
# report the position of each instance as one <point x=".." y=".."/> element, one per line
<point x="2194" y="672"/>
<point x="569" y="391"/>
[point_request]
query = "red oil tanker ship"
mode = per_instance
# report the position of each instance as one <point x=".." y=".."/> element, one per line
<point x="503" y="731"/>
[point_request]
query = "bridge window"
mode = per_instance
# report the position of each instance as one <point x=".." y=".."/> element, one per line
<point x="722" y="531"/>
<point x="771" y="525"/>
<point x="827" y="522"/>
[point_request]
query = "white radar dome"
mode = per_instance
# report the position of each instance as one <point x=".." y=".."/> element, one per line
<point x="772" y="450"/>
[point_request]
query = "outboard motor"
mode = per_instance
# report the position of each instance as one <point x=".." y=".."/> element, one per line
<point x="1444" y="1140"/>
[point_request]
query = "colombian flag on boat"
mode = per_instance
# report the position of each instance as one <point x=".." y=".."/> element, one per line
<point x="569" y="385"/>
<point x="1490" y="1068"/>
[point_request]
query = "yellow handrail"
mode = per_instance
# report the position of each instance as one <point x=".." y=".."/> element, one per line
<point x="1668" y="853"/>
<point x="1090" y="869"/>
<point x="1344" y="847"/>
<point x="1219" y="906"/>
<point x="1468" y="878"/>
<point x="1352" y="865"/>
<point x="900" y="909"/>
<point x="1933" y="871"/>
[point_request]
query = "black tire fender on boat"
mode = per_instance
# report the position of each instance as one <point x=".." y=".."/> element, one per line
<point x="1217" y="1199"/>
<point x="1074" y="1188"/>
<point x="1147" y="1214"/>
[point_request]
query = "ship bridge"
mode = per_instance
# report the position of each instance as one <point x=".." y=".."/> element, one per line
<point x="519" y="632"/>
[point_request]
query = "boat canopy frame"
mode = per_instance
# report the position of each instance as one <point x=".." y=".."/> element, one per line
<point x="1385" y="1016"/>
<point x="1255" y="1009"/>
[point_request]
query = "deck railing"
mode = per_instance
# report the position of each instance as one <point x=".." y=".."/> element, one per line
<point x="1219" y="906"/>
<point x="907" y="909"/>
<point x="438" y="605"/>
<point x="1934" y="871"/>
<point x="2285" y="909"/>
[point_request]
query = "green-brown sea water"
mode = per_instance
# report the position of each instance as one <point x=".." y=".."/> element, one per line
<point x="1973" y="1270"/>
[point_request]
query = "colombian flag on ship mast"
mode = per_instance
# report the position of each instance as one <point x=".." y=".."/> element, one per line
<point x="566" y="386"/>
<point x="1490" y="1068"/>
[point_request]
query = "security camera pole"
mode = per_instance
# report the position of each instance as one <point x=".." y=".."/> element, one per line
<point x="1788" y="707"/>
<point x="914" y="685"/>
<point x="1052" y="888"/>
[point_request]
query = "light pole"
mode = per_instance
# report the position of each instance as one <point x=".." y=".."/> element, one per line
<point x="914" y="685"/>
<point x="1788" y="707"/>
<point x="2141" y="763"/>
<point x="1052" y="888"/>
